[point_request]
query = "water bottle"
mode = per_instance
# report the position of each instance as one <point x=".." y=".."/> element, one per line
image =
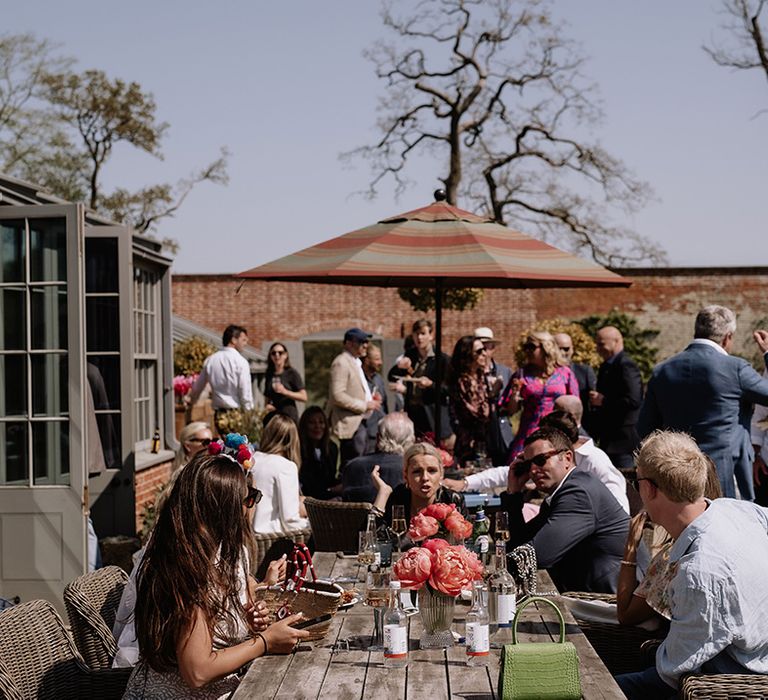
<point x="395" y="630"/>
<point x="480" y="536"/>
<point x="477" y="632"/>
<point x="501" y="599"/>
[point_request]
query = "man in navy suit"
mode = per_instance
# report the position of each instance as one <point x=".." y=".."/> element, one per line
<point x="580" y="531"/>
<point x="702" y="391"/>
<point x="616" y="402"/>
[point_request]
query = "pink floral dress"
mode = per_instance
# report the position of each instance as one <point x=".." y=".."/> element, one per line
<point x="537" y="395"/>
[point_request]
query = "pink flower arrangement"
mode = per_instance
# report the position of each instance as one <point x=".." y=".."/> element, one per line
<point x="182" y="385"/>
<point x="445" y="568"/>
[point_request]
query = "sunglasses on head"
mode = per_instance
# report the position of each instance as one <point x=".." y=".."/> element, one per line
<point x="253" y="497"/>
<point x="540" y="460"/>
<point x="203" y="441"/>
<point x="530" y="347"/>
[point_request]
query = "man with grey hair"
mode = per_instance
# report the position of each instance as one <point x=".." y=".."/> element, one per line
<point x="703" y="389"/>
<point x="395" y="436"/>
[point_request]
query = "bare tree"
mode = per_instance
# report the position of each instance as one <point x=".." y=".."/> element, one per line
<point x="58" y="129"/>
<point x="747" y="48"/>
<point x="28" y="131"/>
<point x="494" y="89"/>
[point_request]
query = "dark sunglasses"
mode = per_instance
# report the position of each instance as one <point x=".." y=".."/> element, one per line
<point x="566" y="348"/>
<point x="525" y="465"/>
<point x="638" y="479"/>
<point x="279" y="352"/>
<point x="253" y="497"/>
<point x="480" y="351"/>
<point x="203" y="441"/>
<point x="530" y="347"/>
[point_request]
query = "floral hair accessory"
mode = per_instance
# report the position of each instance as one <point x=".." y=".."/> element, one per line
<point x="236" y="447"/>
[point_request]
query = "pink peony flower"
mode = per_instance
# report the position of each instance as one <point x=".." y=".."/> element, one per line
<point x="458" y="526"/>
<point x="435" y="545"/>
<point x="453" y="569"/>
<point x="472" y="562"/>
<point x="422" y="526"/>
<point x="413" y="568"/>
<point x="439" y="511"/>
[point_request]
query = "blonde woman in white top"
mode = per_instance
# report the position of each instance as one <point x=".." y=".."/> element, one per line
<point x="275" y="473"/>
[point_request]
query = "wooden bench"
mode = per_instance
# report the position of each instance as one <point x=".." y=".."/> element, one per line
<point x="322" y="670"/>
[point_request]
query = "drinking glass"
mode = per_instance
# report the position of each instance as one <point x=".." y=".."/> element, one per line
<point x="377" y="597"/>
<point x="399" y="525"/>
<point x="502" y="526"/>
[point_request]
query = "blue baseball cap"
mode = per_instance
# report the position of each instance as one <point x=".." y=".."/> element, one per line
<point x="358" y="335"/>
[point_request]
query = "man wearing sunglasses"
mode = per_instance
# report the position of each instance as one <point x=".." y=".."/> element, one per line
<point x="580" y="531"/>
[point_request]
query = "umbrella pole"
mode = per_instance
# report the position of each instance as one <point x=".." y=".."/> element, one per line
<point x="438" y="354"/>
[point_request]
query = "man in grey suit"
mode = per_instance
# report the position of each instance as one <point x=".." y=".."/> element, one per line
<point x="701" y="391"/>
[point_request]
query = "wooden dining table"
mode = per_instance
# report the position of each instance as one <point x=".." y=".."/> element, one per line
<point x="340" y="666"/>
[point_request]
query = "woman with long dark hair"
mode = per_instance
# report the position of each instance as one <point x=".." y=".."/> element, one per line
<point x="283" y="385"/>
<point x="319" y="456"/>
<point x="196" y="622"/>
<point x="470" y="407"/>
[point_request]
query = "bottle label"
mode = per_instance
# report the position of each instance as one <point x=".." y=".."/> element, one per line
<point x="478" y="643"/>
<point x="395" y="642"/>
<point x="505" y="608"/>
<point x="482" y="544"/>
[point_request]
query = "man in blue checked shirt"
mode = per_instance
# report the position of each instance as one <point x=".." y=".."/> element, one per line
<point x="717" y="571"/>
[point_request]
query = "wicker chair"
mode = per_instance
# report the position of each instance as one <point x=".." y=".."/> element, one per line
<point x="724" y="687"/>
<point x="335" y="525"/>
<point x="91" y="601"/>
<point x="618" y="646"/>
<point x="38" y="659"/>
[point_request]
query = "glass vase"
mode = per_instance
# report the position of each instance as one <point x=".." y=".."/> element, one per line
<point x="436" y="610"/>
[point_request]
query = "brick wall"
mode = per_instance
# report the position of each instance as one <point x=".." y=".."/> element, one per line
<point x="666" y="299"/>
<point x="148" y="482"/>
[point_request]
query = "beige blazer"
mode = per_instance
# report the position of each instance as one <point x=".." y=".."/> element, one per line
<point x="346" y="397"/>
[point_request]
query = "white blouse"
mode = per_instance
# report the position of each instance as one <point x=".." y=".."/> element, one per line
<point x="278" y="480"/>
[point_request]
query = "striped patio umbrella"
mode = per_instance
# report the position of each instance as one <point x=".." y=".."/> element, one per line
<point x="437" y="246"/>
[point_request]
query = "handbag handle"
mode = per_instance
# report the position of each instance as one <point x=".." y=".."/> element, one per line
<point x="301" y="560"/>
<point x="538" y="599"/>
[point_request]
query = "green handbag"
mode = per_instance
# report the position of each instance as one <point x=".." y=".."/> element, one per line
<point x="539" y="670"/>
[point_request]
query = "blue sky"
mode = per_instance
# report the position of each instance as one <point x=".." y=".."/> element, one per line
<point x="285" y="87"/>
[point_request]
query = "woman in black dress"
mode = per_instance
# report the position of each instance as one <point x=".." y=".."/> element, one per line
<point x="284" y="385"/>
<point x="319" y="456"/>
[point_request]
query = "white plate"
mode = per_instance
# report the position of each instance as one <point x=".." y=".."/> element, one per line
<point x="352" y="602"/>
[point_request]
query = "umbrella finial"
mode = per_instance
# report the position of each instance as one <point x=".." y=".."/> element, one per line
<point x="440" y="195"/>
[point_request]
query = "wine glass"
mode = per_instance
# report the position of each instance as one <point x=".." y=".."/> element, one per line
<point x="399" y="525"/>
<point x="377" y="597"/>
<point x="502" y="526"/>
<point x="366" y="551"/>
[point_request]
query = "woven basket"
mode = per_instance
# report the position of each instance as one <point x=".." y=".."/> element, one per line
<point x="313" y="599"/>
